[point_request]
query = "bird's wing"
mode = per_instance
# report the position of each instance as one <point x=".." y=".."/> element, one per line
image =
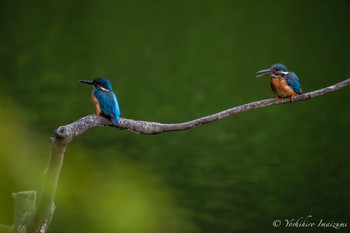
<point x="293" y="81"/>
<point x="108" y="103"/>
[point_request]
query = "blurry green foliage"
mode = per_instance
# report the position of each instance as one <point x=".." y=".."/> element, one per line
<point x="172" y="62"/>
<point x="22" y="155"/>
<point x="116" y="195"/>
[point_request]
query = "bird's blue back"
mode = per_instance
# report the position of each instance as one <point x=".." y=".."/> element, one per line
<point x="293" y="81"/>
<point x="108" y="103"/>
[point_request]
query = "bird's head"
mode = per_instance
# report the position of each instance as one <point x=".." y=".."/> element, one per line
<point x="102" y="83"/>
<point x="275" y="71"/>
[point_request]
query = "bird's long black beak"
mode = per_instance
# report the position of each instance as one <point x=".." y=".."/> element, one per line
<point x="265" y="72"/>
<point x="87" y="82"/>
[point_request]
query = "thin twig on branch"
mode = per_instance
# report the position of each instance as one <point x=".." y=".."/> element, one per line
<point x="65" y="134"/>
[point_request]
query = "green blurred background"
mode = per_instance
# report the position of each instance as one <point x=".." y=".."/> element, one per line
<point x="173" y="61"/>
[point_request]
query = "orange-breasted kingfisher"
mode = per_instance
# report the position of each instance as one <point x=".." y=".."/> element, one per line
<point x="283" y="83"/>
<point x="104" y="99"/>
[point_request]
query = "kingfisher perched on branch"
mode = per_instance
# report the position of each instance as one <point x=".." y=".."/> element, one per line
<point x="283" y="83"/>
<point x="104" y="99"/>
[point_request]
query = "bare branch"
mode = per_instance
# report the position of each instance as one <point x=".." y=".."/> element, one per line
<point x="78" y="127"/>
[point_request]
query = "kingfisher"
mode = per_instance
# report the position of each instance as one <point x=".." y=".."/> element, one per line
<point x="283" y="83"/>
<point x="104" y="99"/>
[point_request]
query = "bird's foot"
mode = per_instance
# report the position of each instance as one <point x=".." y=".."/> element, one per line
<point x="291" y="98"/>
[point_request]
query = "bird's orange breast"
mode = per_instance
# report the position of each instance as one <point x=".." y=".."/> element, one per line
<point x="280" y="87"/>
<point x="96" y="104"/>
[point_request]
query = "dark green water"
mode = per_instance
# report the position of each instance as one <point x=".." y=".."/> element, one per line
<point x="173" y="62"/>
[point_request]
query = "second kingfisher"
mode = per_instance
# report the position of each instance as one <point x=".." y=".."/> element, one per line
<point x="104" y="99"/>
<point x="283" y="83"/>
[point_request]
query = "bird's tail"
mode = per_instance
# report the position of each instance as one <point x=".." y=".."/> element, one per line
<point x="113" y="119"/>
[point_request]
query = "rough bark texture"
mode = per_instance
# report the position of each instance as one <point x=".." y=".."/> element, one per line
<point x="40" y="220"/>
